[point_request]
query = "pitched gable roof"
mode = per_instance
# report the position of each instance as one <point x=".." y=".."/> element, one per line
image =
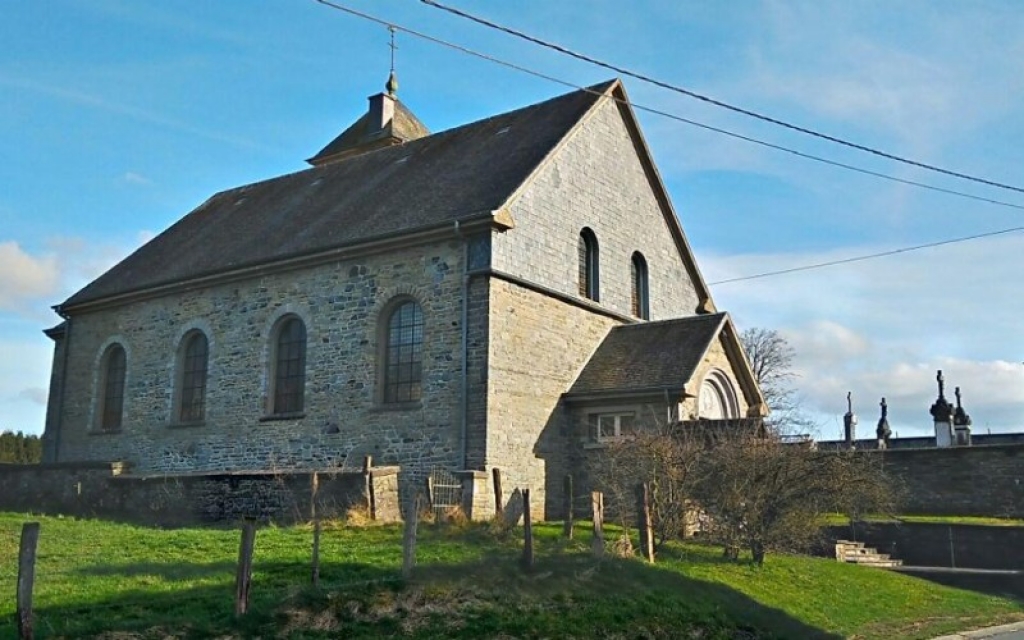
<point x="461" y="174"/>
<point x="649" y="356"/>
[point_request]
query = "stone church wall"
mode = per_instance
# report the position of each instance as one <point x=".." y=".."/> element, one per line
<point x="538" y="346"/>
<point x="340" y="304"/>
<point x="596" y="180"/>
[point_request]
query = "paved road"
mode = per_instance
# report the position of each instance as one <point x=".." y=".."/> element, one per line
<point x="1005" y="632"/>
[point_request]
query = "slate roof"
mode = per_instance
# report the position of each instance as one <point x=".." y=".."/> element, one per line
<point x="459" y="174"/>
<point x="649" y="355"/>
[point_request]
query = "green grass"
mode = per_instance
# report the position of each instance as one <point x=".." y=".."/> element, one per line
<point x="95" y="577"/>
<point x="836" y="519"/>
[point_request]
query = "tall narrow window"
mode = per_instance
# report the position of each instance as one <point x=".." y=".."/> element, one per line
<point x="115" y="365"/>
<point x="194" y="359"/>
<point x="640" y="299"/>
<point x="403" y="358"/>
<point x="289" y="366"/>
<point x="588" y="265"/>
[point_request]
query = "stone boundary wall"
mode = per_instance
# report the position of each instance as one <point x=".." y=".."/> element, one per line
<point x="104" y="490"/>
<point x="940" y="545"/>
<point x="985" y="480"/>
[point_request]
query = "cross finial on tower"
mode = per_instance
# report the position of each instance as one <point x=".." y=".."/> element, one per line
<point x="942" y="385"/>
<point x="392" y="84"/>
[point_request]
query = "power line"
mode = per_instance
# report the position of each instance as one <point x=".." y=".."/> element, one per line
<point x="665" y="114"/>
<point x="718" y="103"/>
<point x="809" y="267"/>
<point x="869" y="256"/>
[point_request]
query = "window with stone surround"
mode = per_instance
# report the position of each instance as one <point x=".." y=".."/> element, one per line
<point x="113" y="368"/>
<point x="288" y="366"/>
<point x="589" y="263"/>
<point x="612" y="425"/>
<point x="193" y="359"/>
<point x="403" y="352"/>
<point x="640" y="299"/>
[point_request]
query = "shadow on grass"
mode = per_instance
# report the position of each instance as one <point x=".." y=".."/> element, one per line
<point x="565" y="595"/>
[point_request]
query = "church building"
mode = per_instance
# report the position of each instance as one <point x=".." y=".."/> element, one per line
<point x="512" y="293"/>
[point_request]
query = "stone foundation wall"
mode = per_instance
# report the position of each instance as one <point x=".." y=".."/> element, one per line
<point x="101" y="490"/>
<point x="960" y="481"/>
<point x="940" y="545"/>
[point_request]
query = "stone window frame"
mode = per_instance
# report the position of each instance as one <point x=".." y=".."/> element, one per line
<point x="274" y="375"/>
<point x="385" y="319"/>
<point x="718" y="387"/>
<point x="102" y="420"/>
<point x="184" y="380"/>
<point x="640" y="296"/>
<point x="589" y="265"/>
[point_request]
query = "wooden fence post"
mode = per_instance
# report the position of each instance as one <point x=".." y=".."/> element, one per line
<point x="527" y="532"/>
<point x="597" y="505"/>
<point x="568" y="528"/>
<point x="315" y="576"/>
<point x="499" y="506"/>
<point x="314" y="488"/>
<point x="243" y="579"/>
<point x="26" y="578"/>
<point x="643" y="514"/>
<point x="371" y="500"/>
<point x="412" y="514"/>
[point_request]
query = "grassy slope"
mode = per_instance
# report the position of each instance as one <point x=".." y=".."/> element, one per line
<point x="94" y="576"/>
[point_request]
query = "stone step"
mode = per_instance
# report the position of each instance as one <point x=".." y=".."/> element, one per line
<point x="858" y="553"/>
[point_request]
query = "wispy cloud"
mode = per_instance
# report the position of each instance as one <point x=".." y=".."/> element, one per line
<point x="35" y="395"/>
<point x="134" y="178"/>
<point x="83" y="99"/>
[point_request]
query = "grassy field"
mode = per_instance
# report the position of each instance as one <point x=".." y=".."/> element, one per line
<point x="100" y="579"/>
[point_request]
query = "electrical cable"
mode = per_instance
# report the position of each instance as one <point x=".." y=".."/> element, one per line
<point x="870" y="256"/>
<point x="659" y="112"/>
<point x="820" y="265"/>
<point x="713" y="101"/>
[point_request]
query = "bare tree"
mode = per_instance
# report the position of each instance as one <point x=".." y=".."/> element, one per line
<point x="766" y="495"/>
<point x="771" y="359"/>
<point x="661" y="455"/>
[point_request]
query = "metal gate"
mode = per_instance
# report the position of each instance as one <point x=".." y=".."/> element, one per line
<point x="445" y="490"/>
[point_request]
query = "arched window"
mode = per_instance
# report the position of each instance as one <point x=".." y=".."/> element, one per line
<point x="192" y="365"/>
<point x="114" y="367"/>
<point x="403" y="354"/>
<point x="289" y="366"/>
<point x="718" y="399"/>
<point x="589" y="265"/>
<point x="640" y="299"/>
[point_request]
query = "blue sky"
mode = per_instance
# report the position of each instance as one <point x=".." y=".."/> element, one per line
<point x="118" y="117"/>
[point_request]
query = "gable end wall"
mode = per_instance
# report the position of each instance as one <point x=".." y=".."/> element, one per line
<point x="596" y="180"/>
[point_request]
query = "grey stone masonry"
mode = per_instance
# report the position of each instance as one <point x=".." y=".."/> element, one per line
<point x="538" y="346"/>
<point x="596" y="180"/>
<point x="341" y="305"/>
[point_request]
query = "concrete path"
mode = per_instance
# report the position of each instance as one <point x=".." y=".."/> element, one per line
<point x="1013" y="631"/>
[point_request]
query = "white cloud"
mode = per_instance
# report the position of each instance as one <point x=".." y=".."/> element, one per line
<point x="883" y="327"/>
<point x="25" y="277"/>
<point x="131" y="177"/>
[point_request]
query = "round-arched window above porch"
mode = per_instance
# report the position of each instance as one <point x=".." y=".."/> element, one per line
<point x="717" y="400"/>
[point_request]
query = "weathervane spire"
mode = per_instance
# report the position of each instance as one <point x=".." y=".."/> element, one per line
<point x="392" y="84"/>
